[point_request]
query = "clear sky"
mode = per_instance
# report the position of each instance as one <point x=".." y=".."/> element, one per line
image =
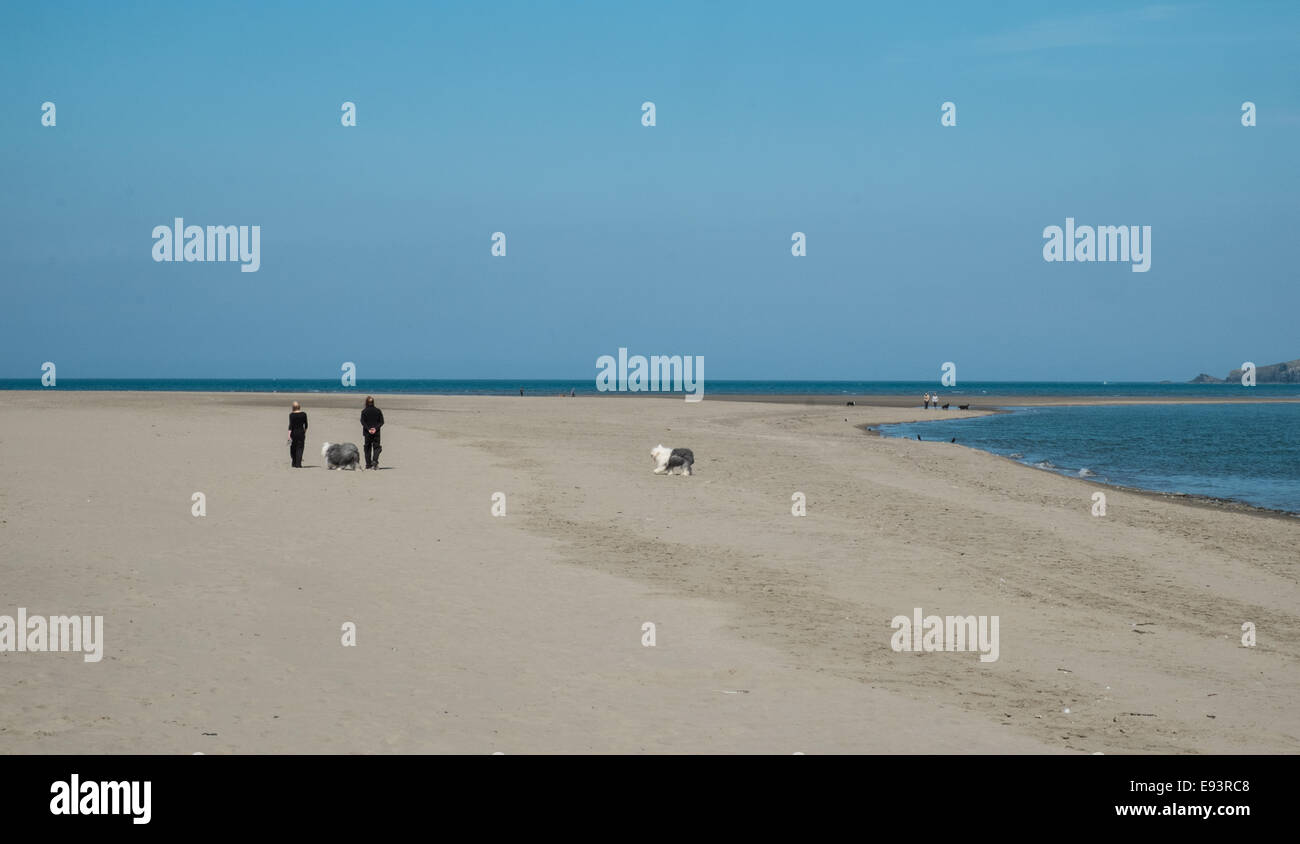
<point x="924" y="242"/>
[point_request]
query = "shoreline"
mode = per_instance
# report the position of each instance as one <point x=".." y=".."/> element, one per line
<point x="403" y="401"/>
<point x="1213" y="502"/>
<point x="1188" y="498"/>
<point x="991" y="403"/>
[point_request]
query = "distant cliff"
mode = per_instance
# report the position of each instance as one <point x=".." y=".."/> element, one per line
<point x="1273" y="373"/>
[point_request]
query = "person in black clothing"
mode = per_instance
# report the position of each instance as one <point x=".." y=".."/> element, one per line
<point x="372" y="419"/>
<point x="297" y="435"/>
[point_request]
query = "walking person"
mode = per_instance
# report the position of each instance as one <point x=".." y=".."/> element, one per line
<point x="926" y="398"/>
<point x="372" y="419"/>
<point x="297" y="435"/>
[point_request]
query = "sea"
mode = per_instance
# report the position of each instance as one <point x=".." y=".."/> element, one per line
<point x="1241" y="452"/>
<point x="1247" y="452"/>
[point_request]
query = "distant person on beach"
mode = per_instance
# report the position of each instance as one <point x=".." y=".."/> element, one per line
<point x="297" y="435"/>
<point x="521" y="391"/>
<point x="372" y="419"/>
<point x="926" y="399"/>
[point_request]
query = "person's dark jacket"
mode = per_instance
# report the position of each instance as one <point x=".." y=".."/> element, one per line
<point x="298" y="425"/>
<point x="372" y="417"/>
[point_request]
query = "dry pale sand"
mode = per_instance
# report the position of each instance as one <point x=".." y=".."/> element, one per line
<point x="523" y="633"/>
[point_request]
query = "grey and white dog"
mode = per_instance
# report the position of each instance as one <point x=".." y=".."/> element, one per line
<point x="340" y="456"/>
<point x="668" y="459"/>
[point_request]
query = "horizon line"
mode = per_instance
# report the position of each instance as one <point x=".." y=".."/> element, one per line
<point x="37" y="378"/>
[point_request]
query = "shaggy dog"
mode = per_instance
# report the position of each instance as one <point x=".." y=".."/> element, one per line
<point x="668" y="459"/>
<point x="340" y="456"/>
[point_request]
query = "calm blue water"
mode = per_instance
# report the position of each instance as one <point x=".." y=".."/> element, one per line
<point x="1245" y="452"/>
<point x="587" y="386"/>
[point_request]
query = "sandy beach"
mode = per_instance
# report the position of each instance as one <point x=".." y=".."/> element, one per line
<point x="523" y="633"/>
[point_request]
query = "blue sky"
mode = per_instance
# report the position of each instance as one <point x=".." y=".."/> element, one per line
<point x="924" y="242"/>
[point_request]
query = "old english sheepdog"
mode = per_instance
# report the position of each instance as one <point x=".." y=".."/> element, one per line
<point x="340" y="456"/>
<point x="667" y="459"/>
